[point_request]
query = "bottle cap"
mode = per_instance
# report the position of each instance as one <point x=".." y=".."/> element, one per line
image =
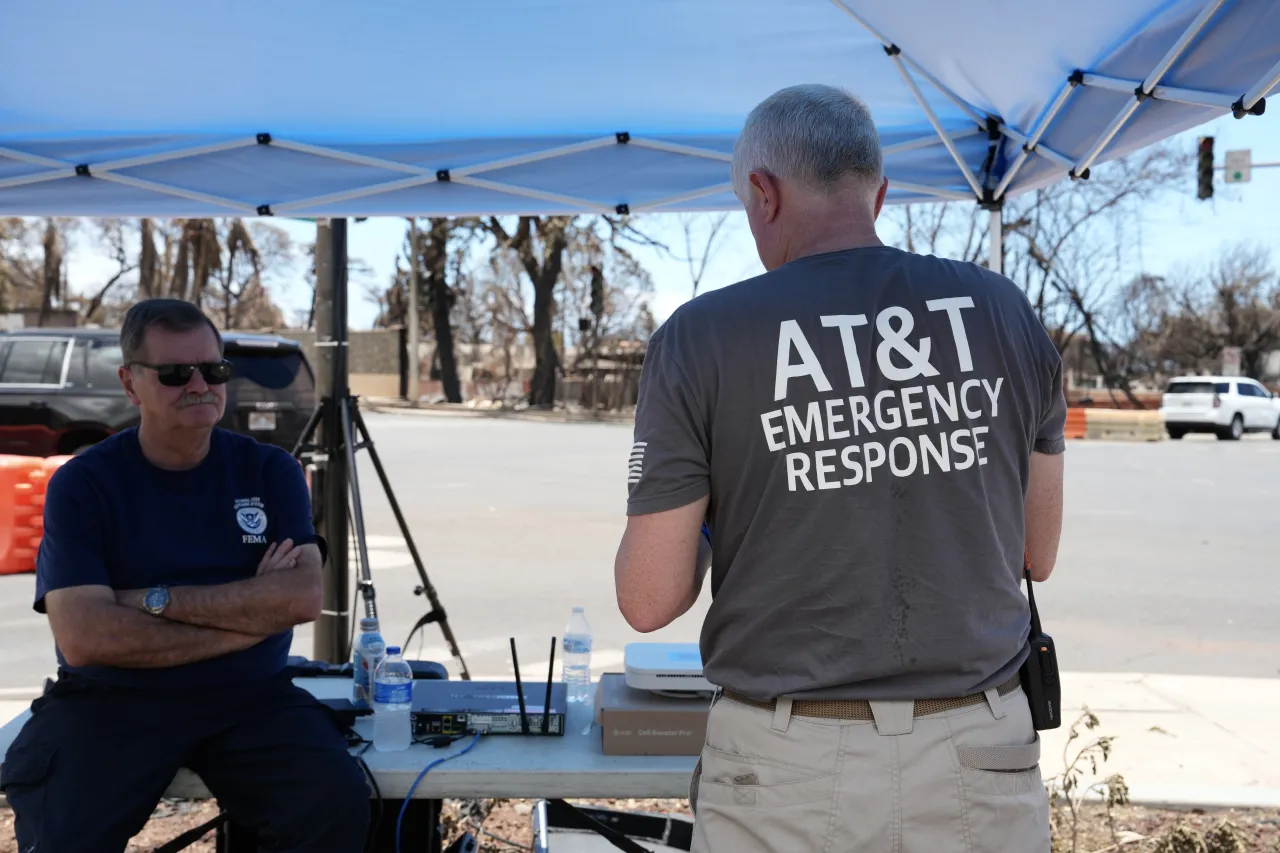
<point x="369" y="623"/>
<point x="579" y="609"/>
<point x="393" y="650"/>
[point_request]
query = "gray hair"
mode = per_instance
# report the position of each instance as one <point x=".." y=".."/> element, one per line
<point x="173" y="315"/>
<point x="814" y="135"/>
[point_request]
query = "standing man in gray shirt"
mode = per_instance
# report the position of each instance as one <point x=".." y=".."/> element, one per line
<point x="872" y="439"/>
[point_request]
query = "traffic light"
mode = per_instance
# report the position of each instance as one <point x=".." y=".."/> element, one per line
<point x="1204" y="168"/>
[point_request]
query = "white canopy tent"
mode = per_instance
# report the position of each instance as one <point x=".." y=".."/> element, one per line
<point x="451" y="107"/>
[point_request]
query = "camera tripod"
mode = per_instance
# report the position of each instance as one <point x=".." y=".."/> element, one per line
<point x="336" y="482"/>
<point x="352" y="422"/>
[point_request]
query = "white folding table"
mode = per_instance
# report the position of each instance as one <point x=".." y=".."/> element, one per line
<point x="500" y="766"/>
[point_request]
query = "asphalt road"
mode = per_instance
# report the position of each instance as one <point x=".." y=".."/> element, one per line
<point x="1167" y="563"/>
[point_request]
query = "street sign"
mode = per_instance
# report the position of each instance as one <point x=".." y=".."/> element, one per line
<point x="1239" y="164"/>
<point x="1231" y="361"/>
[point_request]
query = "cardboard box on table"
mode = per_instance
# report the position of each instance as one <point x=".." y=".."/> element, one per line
<point x="639" y="722"/>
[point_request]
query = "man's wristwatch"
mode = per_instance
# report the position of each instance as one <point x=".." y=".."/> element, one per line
<point x="156" y="600"/>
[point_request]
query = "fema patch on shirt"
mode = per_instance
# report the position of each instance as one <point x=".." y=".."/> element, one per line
<point x="252" y="518"/>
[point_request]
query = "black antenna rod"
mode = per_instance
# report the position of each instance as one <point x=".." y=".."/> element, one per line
<point x="1031" y="601"/>
<point x="546" y="709"/>
<point x="515" y="664"/>
<point x="1031" y="596"/>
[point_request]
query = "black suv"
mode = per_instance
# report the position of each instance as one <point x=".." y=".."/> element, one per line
<point x="59" y="391"/>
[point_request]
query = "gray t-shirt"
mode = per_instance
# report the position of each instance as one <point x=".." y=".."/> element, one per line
<point x="863" y="422"/>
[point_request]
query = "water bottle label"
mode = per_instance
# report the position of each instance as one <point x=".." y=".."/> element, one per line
<point x="576" y="645"/>
<point x="400" y="693"/>
<point x="365" y="659"/>
<point x="358" y="673"/>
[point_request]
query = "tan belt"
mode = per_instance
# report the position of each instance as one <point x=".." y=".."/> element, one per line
<point x="860" y="709"/>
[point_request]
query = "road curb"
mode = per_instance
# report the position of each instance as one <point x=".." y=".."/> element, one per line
<point x="1202" y="797"/>
<point x="501" y="414"/>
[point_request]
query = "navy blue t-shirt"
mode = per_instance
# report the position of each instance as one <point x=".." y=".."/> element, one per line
<point x="112" y="518"/>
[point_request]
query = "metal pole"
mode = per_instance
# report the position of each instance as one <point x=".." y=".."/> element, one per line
<point x="329" y="484"/>
<point x="1251" y="97"/>
<point x="1034" y="138"/>
<point x="415" y="360"/>
<point x="1126" y="112"/>
<point x="1174" y="53"/>
<point x="339" y="328"/>
<point x="1251" y="166"/>
<point x="995" y="235"/>
<point x="937" y="125"/>
<point x="350" y="443"/>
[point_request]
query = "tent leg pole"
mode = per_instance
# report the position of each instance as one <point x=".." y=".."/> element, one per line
<point x="414" y="331"/>
<point x="329" y="490"/>
<point x="995" y="235"/>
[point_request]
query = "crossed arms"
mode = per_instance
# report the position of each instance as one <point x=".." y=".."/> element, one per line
<point x="99" y="626"/>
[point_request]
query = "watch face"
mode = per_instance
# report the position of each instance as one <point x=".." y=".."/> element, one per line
<point x="157" y="599"/>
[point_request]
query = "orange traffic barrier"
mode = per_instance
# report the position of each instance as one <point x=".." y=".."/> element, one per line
<point x="23" y="483"/>
<point x="18" y="508"/>
<point x="1077" y="423"/>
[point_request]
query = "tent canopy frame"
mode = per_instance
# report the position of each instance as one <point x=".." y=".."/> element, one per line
<point x="988" y="186"/>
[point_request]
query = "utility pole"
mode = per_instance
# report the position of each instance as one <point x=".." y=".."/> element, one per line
<point x="329" y="481"/>
<point x="411" y="320"/>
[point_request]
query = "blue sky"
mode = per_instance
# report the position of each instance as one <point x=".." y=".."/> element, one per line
<point x="1178" y="231"/>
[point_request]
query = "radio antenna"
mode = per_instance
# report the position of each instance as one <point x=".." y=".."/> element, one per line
<point x="515" y="664"/>
<point x="546" y="709"/>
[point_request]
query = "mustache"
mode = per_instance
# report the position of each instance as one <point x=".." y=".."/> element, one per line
<point x="207" y="397"/>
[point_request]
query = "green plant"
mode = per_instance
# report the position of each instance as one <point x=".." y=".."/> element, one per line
<point x="1068" y="789"/>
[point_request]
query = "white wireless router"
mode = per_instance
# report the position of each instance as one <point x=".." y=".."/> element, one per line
<point x="671" y="669"/>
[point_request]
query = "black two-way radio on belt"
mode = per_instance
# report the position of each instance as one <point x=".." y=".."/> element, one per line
<point x="1039" y="672"/>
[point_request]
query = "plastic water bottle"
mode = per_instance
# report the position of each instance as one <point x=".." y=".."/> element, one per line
<point x="577" y="656"/>
<point x="366" y="653"/>
<point x="392" y="703"/>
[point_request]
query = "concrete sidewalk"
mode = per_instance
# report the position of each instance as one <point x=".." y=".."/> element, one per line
<point x="1184" y="740"/>
<point x="1180" y="740"/>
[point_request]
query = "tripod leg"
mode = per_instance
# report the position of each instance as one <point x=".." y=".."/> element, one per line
<point x="309" y="431"/>
<point x="437" y="613"/>
<point x="345" y="406"/>
<point x="331" y="630"/>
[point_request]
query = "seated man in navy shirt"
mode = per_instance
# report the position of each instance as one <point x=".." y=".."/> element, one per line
<point x="176" y="560"/>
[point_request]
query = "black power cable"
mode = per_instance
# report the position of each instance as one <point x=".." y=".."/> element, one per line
<point x="372" y="836"/>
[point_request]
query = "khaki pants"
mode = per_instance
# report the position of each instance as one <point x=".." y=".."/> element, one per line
<point x="964" y="780"/>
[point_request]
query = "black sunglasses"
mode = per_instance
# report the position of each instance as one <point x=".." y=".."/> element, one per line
<point x="177" y="375"/>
